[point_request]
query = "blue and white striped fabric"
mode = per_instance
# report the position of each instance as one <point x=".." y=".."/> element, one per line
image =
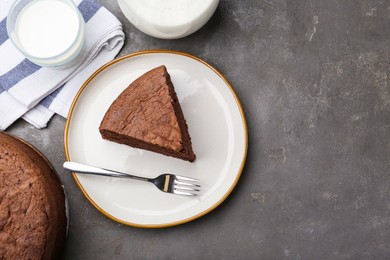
<point x="35" y="93"/>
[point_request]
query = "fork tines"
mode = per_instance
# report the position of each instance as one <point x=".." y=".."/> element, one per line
<point x="186" y="186"/>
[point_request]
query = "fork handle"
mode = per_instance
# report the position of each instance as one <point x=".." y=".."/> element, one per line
<point x="87" y="169"/>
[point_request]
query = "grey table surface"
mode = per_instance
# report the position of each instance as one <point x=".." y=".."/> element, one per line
<point x="313" y="80"/>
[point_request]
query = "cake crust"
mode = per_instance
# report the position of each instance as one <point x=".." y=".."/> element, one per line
<point x="32" y="204"/>
<point x="147" y="115"/>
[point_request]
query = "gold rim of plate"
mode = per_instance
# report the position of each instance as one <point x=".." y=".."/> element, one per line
<point x="132" y="55"/>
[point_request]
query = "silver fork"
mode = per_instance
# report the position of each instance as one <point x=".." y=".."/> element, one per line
<point x="165" y="182"/>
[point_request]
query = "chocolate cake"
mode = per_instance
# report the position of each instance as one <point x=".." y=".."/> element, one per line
<point x="147" y="115"/>
<point x="32" y="203"/>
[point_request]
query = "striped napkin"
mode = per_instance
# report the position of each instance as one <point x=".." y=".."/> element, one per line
<point x="36" y="93"/>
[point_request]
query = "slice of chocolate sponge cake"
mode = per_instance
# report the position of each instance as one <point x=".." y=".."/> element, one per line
<point x="147" y="115"/>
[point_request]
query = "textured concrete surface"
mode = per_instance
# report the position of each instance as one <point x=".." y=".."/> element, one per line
<point x="313" y="78"/>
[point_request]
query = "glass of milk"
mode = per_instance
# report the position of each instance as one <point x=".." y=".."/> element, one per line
<point x="168" y="19"/>
<point x="49" y="33"/>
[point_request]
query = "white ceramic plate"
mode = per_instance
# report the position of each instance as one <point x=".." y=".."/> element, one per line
<point x="216" y="125"/>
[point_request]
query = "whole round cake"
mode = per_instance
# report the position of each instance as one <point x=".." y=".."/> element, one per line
<point x="32" y="203"/>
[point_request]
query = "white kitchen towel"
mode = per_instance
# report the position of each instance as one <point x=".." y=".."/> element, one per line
<point x="35" y="93"/>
